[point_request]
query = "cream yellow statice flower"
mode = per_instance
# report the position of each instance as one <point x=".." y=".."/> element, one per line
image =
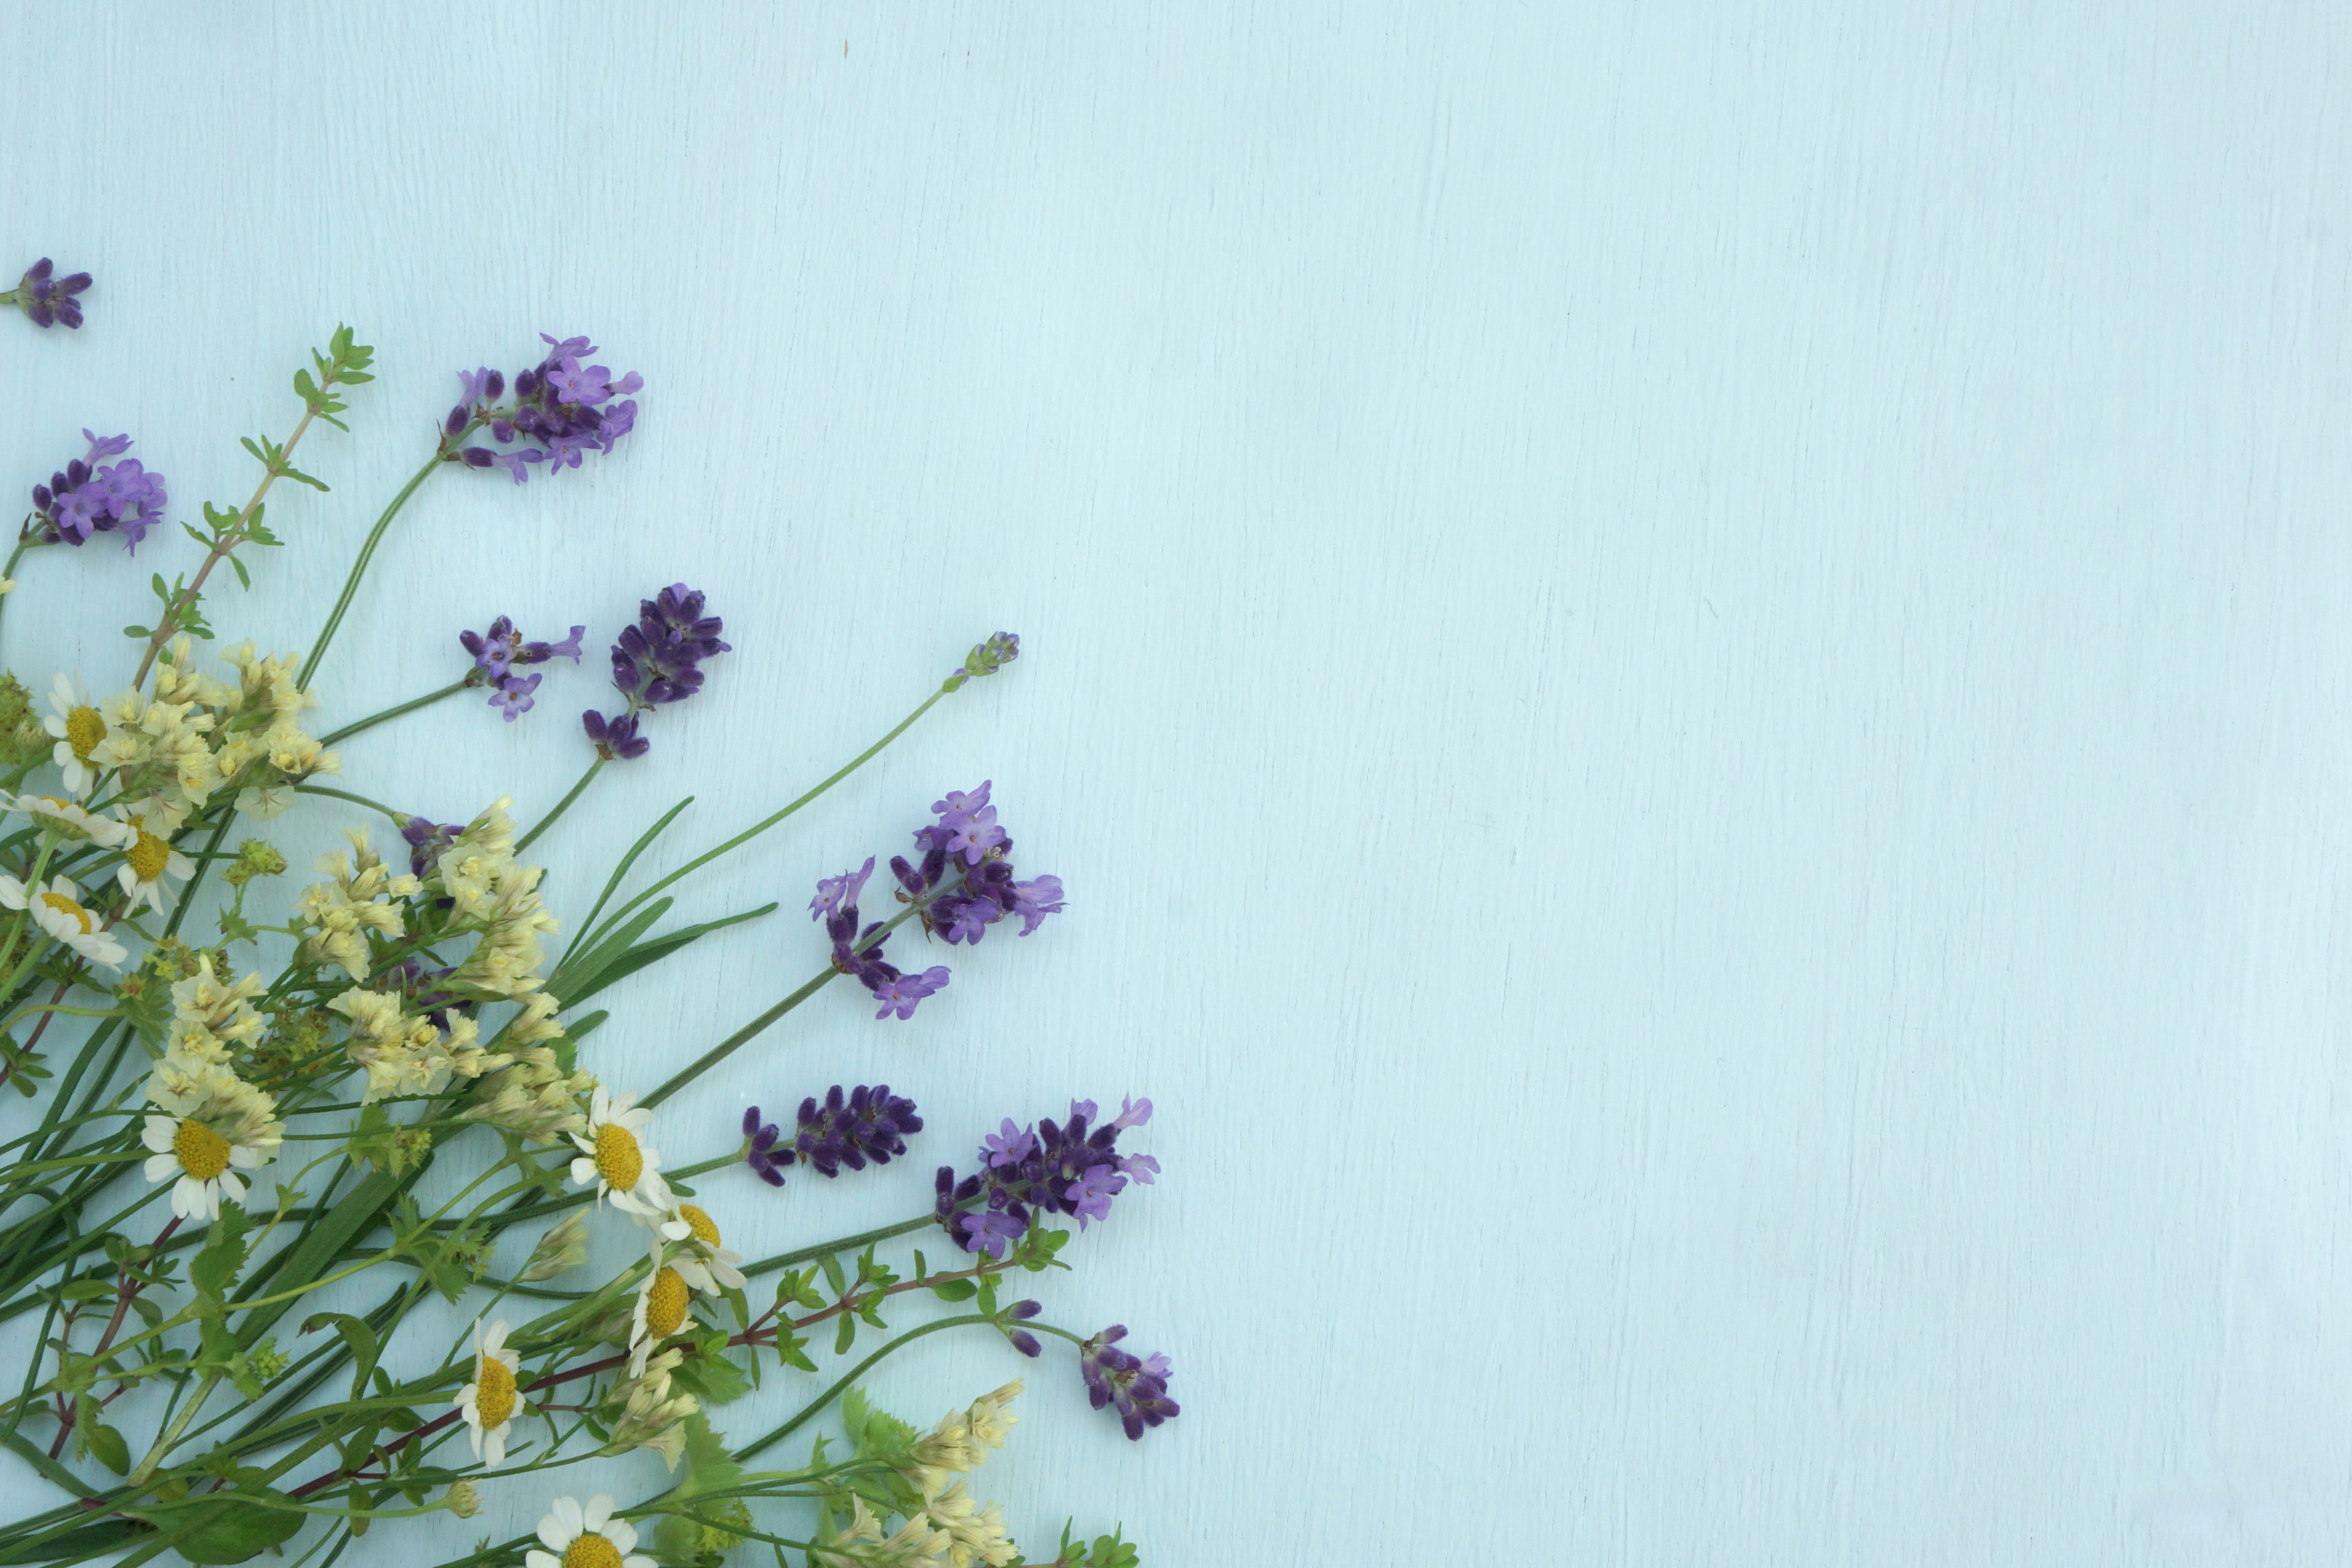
<point x="916" y="1543"/>
<point x="150" y="865"/>
<point x="210" y="1119"/>
<point x="590" y="1537"/>
<point x="977" y="1533"/>
<point x="210" y="1022"/>
<point x="533" y="1096"/>
<point x="651" y="1415"/>
<point x="660" y="1310"/>
<point x="357" y="901"/>
<point x="80" y="728"/>
<point x="615" y="1158"/>
<point x="490" y="1403"/>
<point x="704" y="1263"/>
<point x="162" y="740"/>
<point x="404" y="1054"/>
<point x="962" y="1439"/>
<point x="59" y="911"/>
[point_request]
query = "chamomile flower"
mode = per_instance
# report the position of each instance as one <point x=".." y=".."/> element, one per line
<point x="150" y="865"/>
<point x="70" y="821"/>
<point x="79" y="727"/>
<point x="702" y="1263"/>
<point x="213" y="1121"/>
<point x="590" y="1537"/>
<point x="615" y="1158"/>
<point x="660" y="1311"/>
<point x="57" y="910"/>
<point x="490" y="1401"/>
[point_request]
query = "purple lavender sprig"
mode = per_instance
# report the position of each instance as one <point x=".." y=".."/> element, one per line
<point x="1074" y="1169"/>
<point x="564" y="408"/>
<point x="91" y="496"/>
<point x="1139" y="1389"/>
<point x="870" y="1125"/>
<point x="500" y="651"/>
<point x="985" y="659"/>
<point x="655" y="662"/>
<point x="48" y="299"/>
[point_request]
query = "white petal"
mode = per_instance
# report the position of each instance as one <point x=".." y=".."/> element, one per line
<point x="245" y="1156"/>
<point x="639" y="1561"/>
<point x="233" y="1185"/>
<point x="494" y="1448"/>
<point x="539" y="1560"/>
<point x="599" y="1510"/>
<point x="636" y="1121"/>
<point x="465" y="1401"/>
<point x="621" y="1533"/>
<point x="188" y="1198"/>
<point x="127" y="880"/>
<point x="180" y="865"/>
<point x="159" y="1166"/>
<point x="12" y="893"/>
<point x="598" y="1103"/>
<point x="61" y="692"/>
<point x="160" y="1131"/>
<point x="474" y="1430"/>
<point x="561" y="1528"/>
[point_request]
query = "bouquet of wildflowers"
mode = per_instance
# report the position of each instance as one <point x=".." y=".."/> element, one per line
<point x="228" y="1098"/>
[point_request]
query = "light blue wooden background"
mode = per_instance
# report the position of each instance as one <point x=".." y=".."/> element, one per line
<point x="1686" y="664"/>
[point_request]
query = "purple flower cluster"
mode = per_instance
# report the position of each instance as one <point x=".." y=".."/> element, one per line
<point x="870" y="1125"/>
<point x="1139" y="1389"/>
<point x="858" y="953"/>
<point x="93" y="495"/>
<point x="426" y="839"/>
<point x="655" y="662"/>
<point x="562" y="408"/>
<point x="985" y="659"/>
<point x="47" y="299"/>
<point x="1074" y="1169"/>
<point x="968" y="837"/>
<point x="499" y="651"/>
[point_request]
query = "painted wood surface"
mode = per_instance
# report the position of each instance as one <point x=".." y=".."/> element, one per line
<point x="1685" y="663"/>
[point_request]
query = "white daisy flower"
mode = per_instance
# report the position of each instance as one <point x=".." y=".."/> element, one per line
<point x="215" y="1121"/>
<point x="79" y="727"/>
<point x="67" y="820"/>
<point x="490" y="1402"/>
<point x="589" y="1537"/>
<point x="150" y="865"/>
<point x="660" y="1311"/>
<point x="704" y="1263"/>
<point x="616" y="1159"/>
<point x="59" y="911"/>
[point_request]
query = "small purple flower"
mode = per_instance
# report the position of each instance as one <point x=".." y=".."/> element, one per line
<point x="868" y="1124"/>
<point x="1139" y="1389"/>
<point x="426" y="839"/>
<point x="985" y="659"/>
<point x="835" y="893"/>
<point x="615" y="739"/>
<point x="560" y="405"/>
<point x="86" y="499"/>
<point x="993" y="1232"/>
<point x="1010" y="1145"/>
<point x="957" y="808"/>
<point x="901" y="993"/>
<point x="513" y="699"/>
<point x="1140" y="1167"/>
<point x="1131" y="1114"/>
<point x="1034" y="900"/>
<point x="1091" y="1194"/>
<point x="50" y="301"/>
<point x="1023" y="1339"/>
<point x="759" y="1145"/>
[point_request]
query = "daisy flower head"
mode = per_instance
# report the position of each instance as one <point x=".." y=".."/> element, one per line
<point x="57" y="910"/>
<point x="702" y="1263"/>
<point x="214" y="1125"/>
<point x="590" y="1537"/>
<point x="660" y="1311"/>
<point x="615" y="1158"/>
<point x="70" y="821"/>
<point x="150" y="865"/>
<point x="79" y="727"/>
<point x="490" y="1403"/>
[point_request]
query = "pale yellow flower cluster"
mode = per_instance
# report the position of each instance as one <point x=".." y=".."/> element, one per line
<point x="208" y="1119"/>
<point x="488" y="888"/>
<point x="210" y="1022"/>
<point x="962" y="1440"/>
<point x="404" y="1053"/>
<point x="651" y="1415"/>
<point x="358" y="899"/>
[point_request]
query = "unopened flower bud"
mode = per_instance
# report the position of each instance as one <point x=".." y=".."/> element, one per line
<point x="462" y="1499"/>
<point x="563" y="1248"/>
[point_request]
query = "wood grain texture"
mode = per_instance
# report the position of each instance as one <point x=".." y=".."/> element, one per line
<point x="1685" y="663"/>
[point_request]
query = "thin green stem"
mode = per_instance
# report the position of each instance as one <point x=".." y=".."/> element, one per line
<point x="410" y="706"/>
<point x="560" y="806"/>
<point x="398" y="818"/>
<point x="359" y="569"/>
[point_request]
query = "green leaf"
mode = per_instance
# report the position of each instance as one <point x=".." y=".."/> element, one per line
<point x="304" y="387"/>
<point x="224" y="1528"/>
<point x="955" y="1290"/>
<point x="833" y="1275"/>
<point x="141" y="633"/>
<point x="709" y="1374"/>
<point x="242" y="576"/>
<point x="848" y="1334"/>
<point x="108" y="1447"/>
<point x="223" y="1254"/>
<point x="299" y="477"/>
<point x="355" y="1333"/>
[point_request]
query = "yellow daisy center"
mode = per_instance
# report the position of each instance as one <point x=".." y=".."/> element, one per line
<point x="618" y="1158"/>
<point x="494" y="1393"/>
<point x="666" y="1304"/>
<point x="706" y="1230"/>
<point x="70" y="910"/>
<point x="203" y="1154"/>
<point x="591" y="1551"/>
<point x="85" y="728"/>
<point x="148" y="856"/>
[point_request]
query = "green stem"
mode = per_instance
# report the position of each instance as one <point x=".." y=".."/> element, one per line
<point x="359" y="569"/>
<point x="398" y="818"/>
<point x="410" y="706"/>
<point x="560" y="806"/>
<point x="810" y="1411"/>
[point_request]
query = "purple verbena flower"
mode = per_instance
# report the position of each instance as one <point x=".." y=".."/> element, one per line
<point x="835" y="894"/>
<point x="50" y="301"/>
<point x="1010" y="1145"/>
<point x="513" y="699"/>
<point x="86" y="497"/>
<point x="759" y="1145"/>
<point x="615" y="739"/>
<point x="562" y="410"/>
<point x="1137" y="1389"/>
<point x="899" y="994"/>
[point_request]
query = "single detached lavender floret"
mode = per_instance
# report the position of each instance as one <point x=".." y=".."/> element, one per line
<point x="90" y="496"/>
<point x="48" y="299"/>
<point x="615" y="739"/>
<point x="899" y="994"/>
